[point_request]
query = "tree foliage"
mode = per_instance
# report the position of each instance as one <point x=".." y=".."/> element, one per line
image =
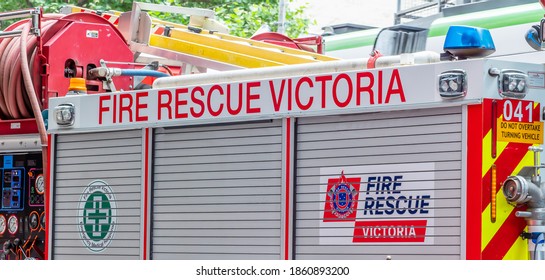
<point x="243" y="17"/>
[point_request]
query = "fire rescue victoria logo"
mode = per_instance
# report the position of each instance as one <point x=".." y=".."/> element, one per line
<point x="97" y="216"/>
<point x="376" y="204"/>
<point x="342" y="198"/>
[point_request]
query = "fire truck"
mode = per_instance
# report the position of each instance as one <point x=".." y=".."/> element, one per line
<point x="126" y="137"/>
<point x="506" y="20"/>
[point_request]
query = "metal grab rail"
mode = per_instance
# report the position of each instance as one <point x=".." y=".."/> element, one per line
<point x="34" y="13"/>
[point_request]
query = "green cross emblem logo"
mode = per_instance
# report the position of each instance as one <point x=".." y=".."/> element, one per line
<point x="97" y="216"/>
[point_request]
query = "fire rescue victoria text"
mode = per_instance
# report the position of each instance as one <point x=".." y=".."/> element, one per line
<point x="312" y="93"/>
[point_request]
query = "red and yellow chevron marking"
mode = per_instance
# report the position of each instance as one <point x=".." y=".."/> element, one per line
<point x="500" y="228"/>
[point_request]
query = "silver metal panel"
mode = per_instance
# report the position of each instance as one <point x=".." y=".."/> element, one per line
<point x="20" y="143"/>
<point x="115" y="158"/>
<point x="426" y="145"/>
<point x="385" y="159"/>
<point x="228" y="208"/>
<point x="213" y="249"/>
<point x="463" y="209"/>
<point x="68" y="188"/>
<point x="266" y="190"/>
<point x="270" y="241"/>
<point x="94" y="158"/>
<point x="217" y="192"/>
<point x="383" y="132"/>
<point x="381" y="252"/>
<point x="218" y="158"/>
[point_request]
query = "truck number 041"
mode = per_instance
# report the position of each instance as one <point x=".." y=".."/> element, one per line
<point x="518" y="111"/>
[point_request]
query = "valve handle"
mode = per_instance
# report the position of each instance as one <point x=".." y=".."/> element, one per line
<point x="535" y="149"/>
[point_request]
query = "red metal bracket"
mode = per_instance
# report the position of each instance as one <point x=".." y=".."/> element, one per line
<point x="373" y="59"/>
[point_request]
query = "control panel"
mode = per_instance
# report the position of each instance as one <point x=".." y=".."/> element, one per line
<point x="12" y="188"/>
<point x="22" y="216"/>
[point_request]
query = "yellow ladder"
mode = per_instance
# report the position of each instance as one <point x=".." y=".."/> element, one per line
<point x="230" y="49"/>
<point x="213" y="47"/>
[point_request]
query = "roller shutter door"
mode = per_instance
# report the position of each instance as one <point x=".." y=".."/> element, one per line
<point x="217" y="192"/>
<point x="111" y="162"/>
<point x="419" y="150"/>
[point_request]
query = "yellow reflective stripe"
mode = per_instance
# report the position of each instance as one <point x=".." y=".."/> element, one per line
<point x="487" y="152"/>
<point x="519" y="250"/>
<point x="527" y="160"/>
<point x="503" y="209"/>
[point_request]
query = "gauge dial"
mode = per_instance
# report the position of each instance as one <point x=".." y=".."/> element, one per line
<point x="42" y="221"/>
<point x="13" y="224"/>
<point x="2" y="224"/>
<point x="33" y="221"/>
<point x="40" y="184"/>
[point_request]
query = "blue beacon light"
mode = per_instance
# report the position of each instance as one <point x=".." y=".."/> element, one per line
<point x="468" y="42"/>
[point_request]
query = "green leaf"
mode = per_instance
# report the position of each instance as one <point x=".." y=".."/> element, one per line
<point x="243" y="17"/>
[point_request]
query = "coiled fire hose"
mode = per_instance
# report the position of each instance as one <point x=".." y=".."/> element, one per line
<point x="20" y="80"/>
<point x="15" y="100"/>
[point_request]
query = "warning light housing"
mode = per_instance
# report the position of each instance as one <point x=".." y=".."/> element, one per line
<point x="65" y="114"/>
<point x="468" y="42"/>
<point x="453" y="84"/>
<point x="512" y="84"/>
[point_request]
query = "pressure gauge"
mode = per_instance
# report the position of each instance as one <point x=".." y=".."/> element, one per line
<point x="13" y="224"/>
<point x="2" y="224"/>
<point x="34" y="221"/>
<point x="40" y="184"/>
<point x="42" y="221"/>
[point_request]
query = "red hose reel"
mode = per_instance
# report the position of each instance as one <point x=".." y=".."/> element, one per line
<point x="70" y="46"/>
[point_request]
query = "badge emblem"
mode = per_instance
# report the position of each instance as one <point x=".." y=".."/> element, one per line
<point x="342" y="198"/>
<point x="97" y="216"/>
